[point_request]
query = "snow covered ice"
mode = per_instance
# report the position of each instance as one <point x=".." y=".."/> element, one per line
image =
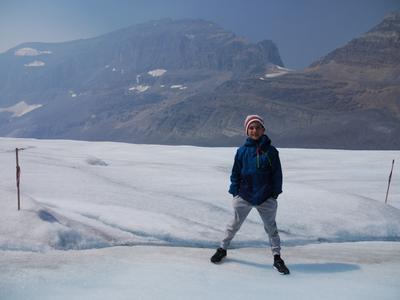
<point x="141" y="221"/>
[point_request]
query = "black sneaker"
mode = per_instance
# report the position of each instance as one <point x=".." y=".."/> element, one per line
<point x="279" y="265"/>
<point x="218" y="256"/>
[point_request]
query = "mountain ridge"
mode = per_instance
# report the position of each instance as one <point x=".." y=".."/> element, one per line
<point x="192" y="82"/>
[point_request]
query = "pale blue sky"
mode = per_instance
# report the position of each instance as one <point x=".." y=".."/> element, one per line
<point x="303" y="30"/>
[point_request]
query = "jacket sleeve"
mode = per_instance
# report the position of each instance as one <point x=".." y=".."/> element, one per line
<point x="235" y="176"/>
<point x="276" y="174"/>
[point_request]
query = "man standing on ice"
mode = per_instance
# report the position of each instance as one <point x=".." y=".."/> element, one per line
<point x="256" y="181"/>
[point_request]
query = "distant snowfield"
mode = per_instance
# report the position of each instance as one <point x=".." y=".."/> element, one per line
<point x="171" y="204"/>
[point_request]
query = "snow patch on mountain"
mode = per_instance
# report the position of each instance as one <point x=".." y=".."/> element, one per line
<point x="36" y="63"/>
<point x="20" y="109"/>
<point x="72" y="94"/>
<point x="157" y="72"/>
<point x="139" y="88"/>
<point x="273" y="75"/>
<point x="276" y="71"/>
<point x="190" y="36"/>
<point x="30" y="52"/>
<point x="178" y="86"/>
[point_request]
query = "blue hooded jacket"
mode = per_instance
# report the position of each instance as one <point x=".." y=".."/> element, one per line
<point x="256" y="173"/>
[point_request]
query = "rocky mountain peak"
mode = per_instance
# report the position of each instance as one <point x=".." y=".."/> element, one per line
<point x="199" y="44"/>
<point x="389" y="28"/>
<point x="379" y="47"/>
<point x="271" y="52"/>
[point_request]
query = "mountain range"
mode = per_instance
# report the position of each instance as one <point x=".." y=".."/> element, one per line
<point x="192" y="82"/>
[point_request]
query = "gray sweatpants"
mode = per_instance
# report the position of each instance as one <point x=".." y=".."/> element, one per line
<point x="267" y="211"/>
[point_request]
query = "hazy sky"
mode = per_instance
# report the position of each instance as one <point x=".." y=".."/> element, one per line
<point x="303" y="30"/>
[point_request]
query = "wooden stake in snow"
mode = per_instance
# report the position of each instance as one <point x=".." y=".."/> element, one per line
<point x="390" y="179"/>
<point x="18" y="177"/>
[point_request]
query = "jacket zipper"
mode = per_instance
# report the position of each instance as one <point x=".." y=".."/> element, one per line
<point x="258" y="150"/>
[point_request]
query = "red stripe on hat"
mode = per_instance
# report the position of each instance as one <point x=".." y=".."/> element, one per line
<point x="253" y="118"/>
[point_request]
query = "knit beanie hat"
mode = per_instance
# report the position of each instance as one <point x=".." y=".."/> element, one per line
<point x="252" y="118"/>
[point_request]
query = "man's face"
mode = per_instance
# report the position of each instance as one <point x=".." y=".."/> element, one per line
<point x="255" y="130"/>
